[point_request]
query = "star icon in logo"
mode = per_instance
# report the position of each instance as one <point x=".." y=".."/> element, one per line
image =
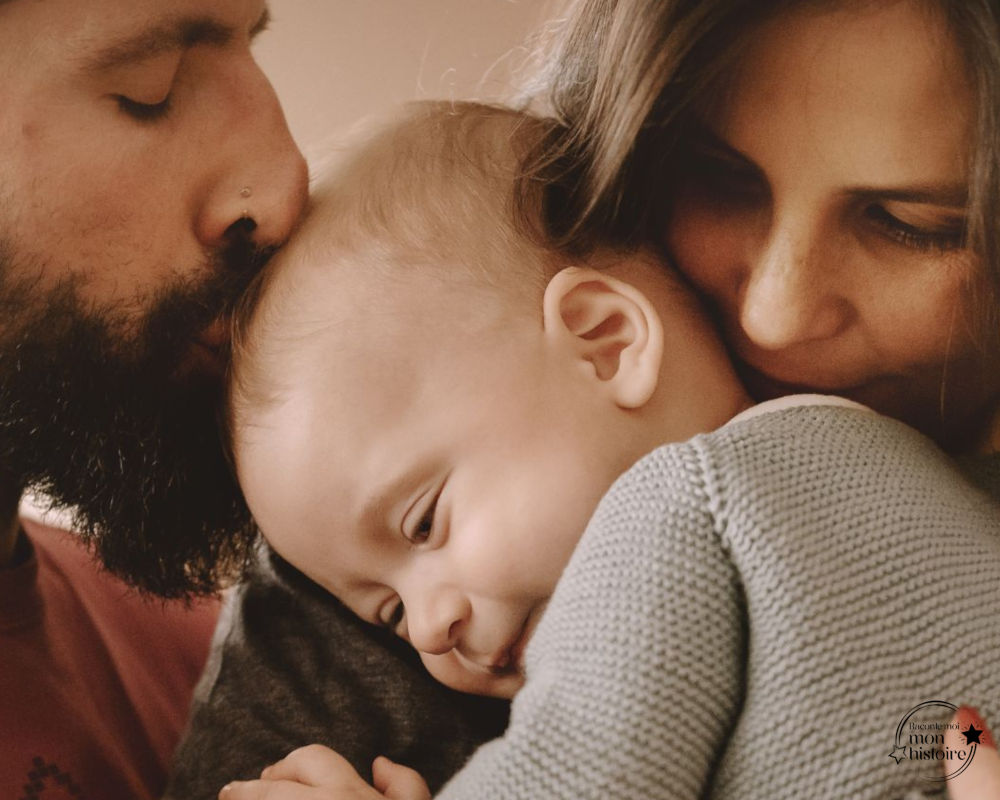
<point x="972" y="735"/>
<point x="898" y="753"/>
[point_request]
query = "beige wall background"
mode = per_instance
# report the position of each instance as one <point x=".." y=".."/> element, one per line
<point x="334" y="61"/>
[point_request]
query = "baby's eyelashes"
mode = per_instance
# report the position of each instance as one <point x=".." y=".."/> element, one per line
<point x="421" y="532"/>
<point x="392" y="617"/>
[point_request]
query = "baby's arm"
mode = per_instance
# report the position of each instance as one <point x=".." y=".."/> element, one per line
<point x="635" y="673"/>
<point x="318" y="773"/>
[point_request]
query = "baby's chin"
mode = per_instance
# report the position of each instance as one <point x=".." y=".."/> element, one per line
<point x="503" y="683"/>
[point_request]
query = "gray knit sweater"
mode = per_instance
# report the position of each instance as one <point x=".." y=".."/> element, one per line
<point x="751" y="614"/>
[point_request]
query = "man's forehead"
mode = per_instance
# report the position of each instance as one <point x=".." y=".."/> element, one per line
<point x="176" y="30"/>
<point x="103" y="34"/>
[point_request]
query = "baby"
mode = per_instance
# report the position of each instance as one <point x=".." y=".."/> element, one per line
<point x="539" y="469"/>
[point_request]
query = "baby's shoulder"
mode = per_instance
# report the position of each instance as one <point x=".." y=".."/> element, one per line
<point x="798" y="444"/>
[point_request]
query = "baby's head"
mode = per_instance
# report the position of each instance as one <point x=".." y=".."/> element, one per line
<point x="428" y="401"/>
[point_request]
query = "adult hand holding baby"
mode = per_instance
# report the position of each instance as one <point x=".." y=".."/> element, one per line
<point x="316" y="772"/>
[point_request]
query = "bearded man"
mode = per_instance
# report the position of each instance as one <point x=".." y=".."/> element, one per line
<point x="146" y="172"/>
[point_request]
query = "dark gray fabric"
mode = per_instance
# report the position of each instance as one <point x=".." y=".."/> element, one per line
<point x="290" y="666"/>
<point x="984" y="471"/>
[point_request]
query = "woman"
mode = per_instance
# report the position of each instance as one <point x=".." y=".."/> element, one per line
<point x="826" y="174"/>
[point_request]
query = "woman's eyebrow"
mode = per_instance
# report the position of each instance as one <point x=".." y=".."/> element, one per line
<point x="948" y="194"/>
<point x="951" y="195"/>
<point x="706" y="141"/>
<point x="178" y="33"/>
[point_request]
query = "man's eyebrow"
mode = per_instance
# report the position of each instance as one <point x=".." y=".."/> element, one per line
<point x="173" y="34"/>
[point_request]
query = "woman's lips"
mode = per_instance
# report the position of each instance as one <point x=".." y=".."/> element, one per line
<point x="764" y="386"/>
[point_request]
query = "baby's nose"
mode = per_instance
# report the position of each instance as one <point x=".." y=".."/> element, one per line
<point x="435" y="620"/>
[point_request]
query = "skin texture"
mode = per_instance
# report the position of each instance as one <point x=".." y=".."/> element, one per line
<point x="315" y="772"/>
<point x="127" y="202"/>
<point x="821" y="213"/>
<point x="147" y="173"/>
<point x="450" y="512"/>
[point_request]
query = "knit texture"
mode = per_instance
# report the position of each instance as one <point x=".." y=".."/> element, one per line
<point x="750" y="614"/>
<point x="291" y="666"/>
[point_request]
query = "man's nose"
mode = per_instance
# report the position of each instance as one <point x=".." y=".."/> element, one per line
<point x="261" y="187"/>
<point x="435" y="618"/>
<point x="791" y="293"/>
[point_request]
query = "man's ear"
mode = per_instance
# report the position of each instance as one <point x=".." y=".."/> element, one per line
<point x="610" y="327"/>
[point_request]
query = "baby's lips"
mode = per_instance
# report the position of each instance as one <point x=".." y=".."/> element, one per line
<point x="501" y="661"/>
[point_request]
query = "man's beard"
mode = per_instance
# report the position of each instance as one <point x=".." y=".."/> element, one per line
<point x="103" y="414"/>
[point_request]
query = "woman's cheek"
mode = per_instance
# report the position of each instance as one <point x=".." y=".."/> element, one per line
<point x="928" y="308"/>
<point x="709" y="245"/>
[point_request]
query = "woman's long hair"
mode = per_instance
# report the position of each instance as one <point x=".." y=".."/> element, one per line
<point x="626" y="79"/>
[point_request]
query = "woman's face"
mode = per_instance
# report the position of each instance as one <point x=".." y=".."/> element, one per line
<point x="821" y="211"/>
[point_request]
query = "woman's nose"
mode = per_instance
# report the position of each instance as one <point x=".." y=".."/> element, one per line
<point x="261" y="188"/>
<point x="435" y="618"/>
<point x="792" y="292"/>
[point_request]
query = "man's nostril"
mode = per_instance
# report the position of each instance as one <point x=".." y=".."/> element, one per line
<point x="241" y="228"/>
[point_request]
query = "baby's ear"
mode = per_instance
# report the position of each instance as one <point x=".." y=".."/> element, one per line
<point x="610" y="327"/>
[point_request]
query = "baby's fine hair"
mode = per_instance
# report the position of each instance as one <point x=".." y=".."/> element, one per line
<point x="438" y="186"/>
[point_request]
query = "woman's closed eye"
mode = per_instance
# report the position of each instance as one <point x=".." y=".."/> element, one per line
<point x="934" y="237"/>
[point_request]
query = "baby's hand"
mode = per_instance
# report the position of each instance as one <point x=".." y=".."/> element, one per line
<point x="318" y="773"/>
